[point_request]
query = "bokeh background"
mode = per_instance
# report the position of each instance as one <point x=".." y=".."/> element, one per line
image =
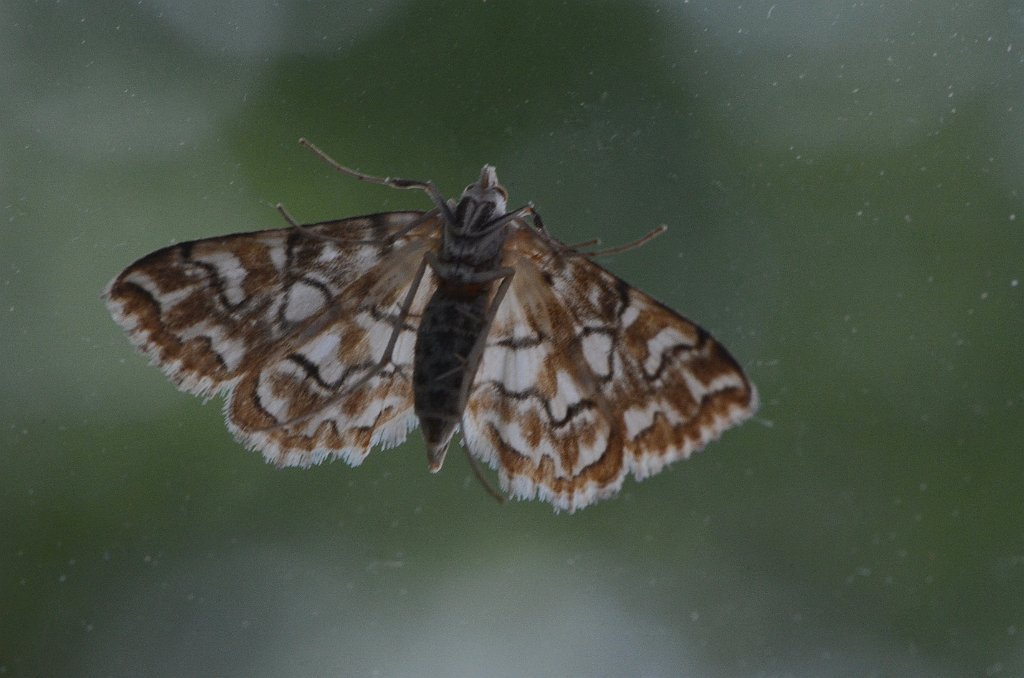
<point x="842" y="182"/>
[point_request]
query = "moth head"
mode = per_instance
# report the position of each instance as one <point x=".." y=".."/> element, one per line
<point x="481" y="202"/>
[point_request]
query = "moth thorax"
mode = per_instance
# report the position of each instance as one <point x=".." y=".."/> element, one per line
<point x="474" y="251"/>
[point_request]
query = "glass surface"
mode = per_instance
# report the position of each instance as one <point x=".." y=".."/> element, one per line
<point x="842" y="183"/>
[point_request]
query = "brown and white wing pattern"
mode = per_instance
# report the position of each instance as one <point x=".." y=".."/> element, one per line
<point x="585" y="380"/>
<point x="291" y="328"/>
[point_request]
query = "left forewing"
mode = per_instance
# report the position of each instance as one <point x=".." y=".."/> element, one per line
<point x="203" y="311"/>
<point x="586" y="379"/>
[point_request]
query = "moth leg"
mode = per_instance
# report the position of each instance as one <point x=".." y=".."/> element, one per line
<point x="538" y="223"/>
<point x="639" y="242"/>
<point x="585" y="243"/>
<point x="403" y="313"/>
<point x="392" y="182"/>
<point x="479" y="474"/>
<point x="527" y="209"/>
<point x="385" y="357"/>
<point x="306" y="230"/>
<point x="477" y="352"/>
<point x="288" y="217"/>
<point x="473" y="363"/>
<point x="557" y="246"/>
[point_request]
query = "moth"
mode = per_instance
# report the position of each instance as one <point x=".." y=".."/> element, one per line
<point x="333" y="338"/>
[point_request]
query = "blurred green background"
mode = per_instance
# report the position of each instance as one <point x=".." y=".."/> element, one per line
<point x="843" y="187"/>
